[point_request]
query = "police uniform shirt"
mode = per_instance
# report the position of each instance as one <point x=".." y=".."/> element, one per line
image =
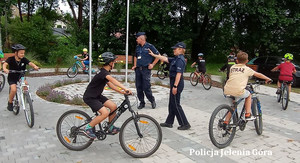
<point x="96" y="86"/>
<point x="16" y="65"/>
<point x="177" y="64"/>
<point x="143" y="56"/>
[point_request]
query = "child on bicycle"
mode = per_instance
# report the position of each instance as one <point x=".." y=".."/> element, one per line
<point x="286" y="72"/>
<point x="93" y="95"/>
<point x="237" y="82"/>
<point x="18" y="63"/>
<point x="201" y="65"/>
<point x="85" y="60"/>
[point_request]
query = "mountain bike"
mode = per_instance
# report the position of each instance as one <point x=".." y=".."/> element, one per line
<point x="284" y="95"/>
<point x="74" y="69"/>
<point x="222" y="134"/>
<point x="2" y="81"/>
<point x="140" y="135"/>
<point x="163" y="71"/>
<point x="23" y="98"/>
<point x="199" y="77"/>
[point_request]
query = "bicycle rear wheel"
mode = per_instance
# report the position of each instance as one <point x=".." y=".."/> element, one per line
<point x="279" y="96"/>
<point x="2" y="82"/>
<point x="133" y="144"/>
<point x="29" y="114"/>
<point x="72" y="71"/>
<point x="160" y="73"/>
<point x="194" y="79"/>
<point x="68" y="132"/>
<point x="220" y="134"/>
<point x="206" y="82"/>
<point x="16" y="106"/>
<point x="285" y="97"/>
<point x="258" y="115"/>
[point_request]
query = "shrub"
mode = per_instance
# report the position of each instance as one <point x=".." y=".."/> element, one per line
<point x="76" y="100"/>
<point x="56" y="96"/>
<point x="44" y="90"/>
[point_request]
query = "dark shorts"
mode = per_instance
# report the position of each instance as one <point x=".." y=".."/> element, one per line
<point x="10" y="82"/>
<point x="95" y="103"/>
<point x="288" y="82"/>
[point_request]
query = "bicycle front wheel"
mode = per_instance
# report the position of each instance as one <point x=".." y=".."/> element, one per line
<point x="258" y="115"/>
<point x="194" y="79"/>
<point x="29" y="114"/>
<point x="68" y="132"/>
<point x="285" y="97"/>
<point x="206" y="82"/>
<point x="72" y="71"/>
<point x="2" y="82"/>
<point x="221" y="134"/>
<point x="147" y="143"/>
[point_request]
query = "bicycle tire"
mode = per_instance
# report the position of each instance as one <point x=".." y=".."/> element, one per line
<point x="160" y="74"/>
<point x="218" y="126"/>
<point x="258" y="121"/>
<point x="77" y="117"/>
<point x="16" y="106"/>
<point x="285" y="97"/>
<point x="133" y="146"/>
<point x="206" y="82"/>
<point x="2" y="82"/>
<point x="72" y="71"/>
<point x="29" y="114"/>
<point x="279" y="96"/>
<point x="194" y="79"/>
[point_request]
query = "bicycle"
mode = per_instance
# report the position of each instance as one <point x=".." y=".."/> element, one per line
<point x="221" y="134"/>
<point x="284" y="95"/>
<point x="162" y="71"/>
<point x="2" y="81"/>
<point x="23" y="98"/>
<point x="140" y="135"/>
<point x="73" y="70"/>
<point x="199" y="77"/>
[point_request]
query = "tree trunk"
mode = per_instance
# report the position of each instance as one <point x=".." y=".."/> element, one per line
<point x="72" y="9"/>
<point x="80" y="8"/>
<point x="28" y="10"/>
<point x="20" y="10"/>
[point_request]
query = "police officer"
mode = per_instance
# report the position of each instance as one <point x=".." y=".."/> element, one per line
<point x="177" y="66"/>
<point x="143" y="63"/>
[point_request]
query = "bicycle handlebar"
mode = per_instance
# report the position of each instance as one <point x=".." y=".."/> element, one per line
<point x="21" y="71"/>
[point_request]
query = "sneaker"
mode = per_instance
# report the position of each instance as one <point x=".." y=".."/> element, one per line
<point x="278" y="91"/>
<point x="153" y="104"/>
<point x="249" y="117"/>
<point x="166" y="125"/>
<point x="114" y="130"/>
<point x="141" y="106"/>
<point x="10" y="106"/>
<point x="89" y="133"/>
<point x="184" y="127"/>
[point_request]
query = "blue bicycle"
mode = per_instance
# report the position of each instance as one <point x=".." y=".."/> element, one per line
<point x="221" y="134"/>
<point x="74" y="69"/>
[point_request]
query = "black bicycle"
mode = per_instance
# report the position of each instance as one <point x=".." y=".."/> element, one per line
<point x="2" y="81"/>
<point x="140" y="135"/>
<point x="221" y="134"/>
<point x="163" y="71"/>
<point x="284" y="95"/>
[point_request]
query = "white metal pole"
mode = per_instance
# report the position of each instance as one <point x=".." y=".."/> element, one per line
<point x="127" y="35"/>
<point x="90" y="43"/>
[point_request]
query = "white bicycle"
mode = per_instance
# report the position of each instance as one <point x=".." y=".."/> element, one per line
<point x="23" y="98"/>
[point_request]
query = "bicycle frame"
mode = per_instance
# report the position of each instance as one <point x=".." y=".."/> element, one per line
<point x="120" y="110"/>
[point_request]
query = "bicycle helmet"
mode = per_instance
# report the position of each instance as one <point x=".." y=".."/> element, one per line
<point x="200" y="55"/>
<point x="18" y="47"/>
<point x="84" y="50"/>
<point x="106" y="58"/>
<point x="1" y="54"/>
<point x="289" y="56"/>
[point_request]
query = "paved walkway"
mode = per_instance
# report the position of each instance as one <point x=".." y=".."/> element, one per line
<point x="279" y="142"/>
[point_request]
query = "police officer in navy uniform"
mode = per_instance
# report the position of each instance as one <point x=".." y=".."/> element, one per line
<point x="143" y="63"/>
<point x="177" y="66"/>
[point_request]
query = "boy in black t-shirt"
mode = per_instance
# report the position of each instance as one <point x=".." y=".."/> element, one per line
<point x="18" y="63"/>
<point x="85" y="60"/>
<point x="201" y="64"/>
<point x="93" y="95"/>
